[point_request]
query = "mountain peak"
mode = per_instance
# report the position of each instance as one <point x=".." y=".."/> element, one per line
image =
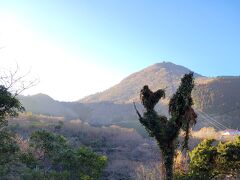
<point x="164" y="63"/>
<point x="169" y="66"/>
<point x="159" y="75"/>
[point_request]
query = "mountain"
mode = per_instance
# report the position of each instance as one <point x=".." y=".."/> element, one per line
<point x="160" y="75"/>
<point x="216" y="99"/>
<point x="218" y="95"/>
<point x="44" y="104"/>
<point x="94" y="113"/>
<point x="220" y="98"/>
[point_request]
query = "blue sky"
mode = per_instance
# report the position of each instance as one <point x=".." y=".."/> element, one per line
<point x="125" y="36"/>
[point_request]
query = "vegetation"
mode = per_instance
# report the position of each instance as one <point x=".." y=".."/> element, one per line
<point x="124" y="147"/>
<point x="130" y="156"/>
<point x="166" y="131"/>
<point x="46" y="155"/>
<point x="50" y="156"/>
<point x="8" y="154"/>
<point x="212" y="160"/>
<point x="9" y="105"/>
<point x="46" y="147"/>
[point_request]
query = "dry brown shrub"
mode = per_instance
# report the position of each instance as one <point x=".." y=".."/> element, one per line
<point x="23" y="143"/>
<point x="151" y="171"/>
<point x="181" y="162"/>
<point x="206" y="133"/>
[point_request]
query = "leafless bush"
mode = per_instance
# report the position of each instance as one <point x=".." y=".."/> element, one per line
<point x="151" y="171"/>
<point x="15" y="81"/>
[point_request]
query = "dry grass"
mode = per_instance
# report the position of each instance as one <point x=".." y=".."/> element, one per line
<point x="151" y="171"/>
<point x="207" y="133"/>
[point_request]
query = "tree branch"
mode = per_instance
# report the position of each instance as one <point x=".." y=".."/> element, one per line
<point x="15" y="82"/>
<point x="139" y="115"/>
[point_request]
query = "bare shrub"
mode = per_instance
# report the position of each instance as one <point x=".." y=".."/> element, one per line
<point x="206" y="133"/>
<point x="151" y="171"/>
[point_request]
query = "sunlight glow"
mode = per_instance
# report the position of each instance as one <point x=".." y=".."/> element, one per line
<point x="63" y="75"/>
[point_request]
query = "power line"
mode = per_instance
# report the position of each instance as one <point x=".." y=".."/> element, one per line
<point x="211" y="122"/>
<point x="214" y="124"/>
<point x="222" y="125"/>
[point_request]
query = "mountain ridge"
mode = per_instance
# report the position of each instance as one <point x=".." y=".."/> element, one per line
<point x="114" y="105"/>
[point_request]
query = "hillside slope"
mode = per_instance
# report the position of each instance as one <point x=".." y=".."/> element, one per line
<point x="220" y="98"/>
<point x="157" y="76"/>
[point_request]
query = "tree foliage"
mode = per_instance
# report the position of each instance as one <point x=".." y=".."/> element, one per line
<point x="210" y="159"/>
<point x="203" y="160"/>
<point x="8" y="153"/>
<point x="48" y="157"/>
<point x="9" y="105"/>
<point x="56" y="156"/>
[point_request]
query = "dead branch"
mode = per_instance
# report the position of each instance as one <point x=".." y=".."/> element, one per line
<point x="15" y="82"/>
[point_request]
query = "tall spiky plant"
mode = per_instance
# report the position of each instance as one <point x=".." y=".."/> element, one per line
<point x="166" y="131"/>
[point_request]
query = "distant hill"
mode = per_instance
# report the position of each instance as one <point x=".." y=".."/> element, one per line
<point x="44" y="104"/>
<point x="157" y="76"/>
<point x="218" y="97"/>
<point x="94" y="113"/>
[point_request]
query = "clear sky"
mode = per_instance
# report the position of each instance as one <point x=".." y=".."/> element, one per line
<point x="80" y="47"/>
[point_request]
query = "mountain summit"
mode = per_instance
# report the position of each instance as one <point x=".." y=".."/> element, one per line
<point x="161" y="75"/>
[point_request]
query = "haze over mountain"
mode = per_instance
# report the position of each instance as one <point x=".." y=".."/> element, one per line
<point x="218" y="96"/>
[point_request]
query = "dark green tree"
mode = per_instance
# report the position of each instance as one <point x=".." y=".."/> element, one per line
<point x="58" y="159"/>
<point x="49" y="145"/>
<point x="164" y="130"/>
<point x="8" y="154"/>
<point x="9" y="150"/>
<point x="203" y="161"/>
<point x="228" y="159"/>
<point x="82" y="163"/>
<point x="49" y="155"/>
<point x="215" y="160"/>
<point x="9" y="106"/>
